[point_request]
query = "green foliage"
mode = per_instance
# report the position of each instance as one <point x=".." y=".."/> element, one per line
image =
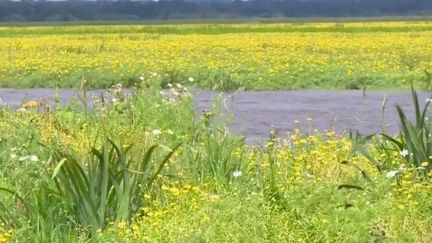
<point x="214" y="152"/>
<point x="360" y="145"/>
<point x="109" y="186"/>
<point x="415" y="142"/>
<point x="427" y="80"/>
<point x="220" y="80"/>
<point x="310" y="188"/>
<point x="252" y="65"/>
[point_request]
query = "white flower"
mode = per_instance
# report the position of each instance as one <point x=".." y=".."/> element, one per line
<point x="114" y="100"/>
<point x="403" y="153"/>
<point x="21" y="110"/>
<point x="191" y="79"/>
<point x="237" y="173"/>
<point x="157" y="132"/>
<point x="169" y="131"/>
<point x="392" y="174"/>
<point x="33" y="158"/>
<point x="179" y="86"/>
<point x="154" y="74"/>
<point x="169" y="85"/>
<point x="141" y="78"/>
<point x="13" y="156"/>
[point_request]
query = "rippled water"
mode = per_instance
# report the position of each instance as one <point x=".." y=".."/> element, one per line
<point x="255" y="112"/>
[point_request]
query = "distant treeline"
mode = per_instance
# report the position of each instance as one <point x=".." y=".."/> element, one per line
<point x="26" y="10"/>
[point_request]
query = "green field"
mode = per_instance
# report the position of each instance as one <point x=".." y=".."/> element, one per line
<point x="144" y="167"/>
<point x="255" y="56"/>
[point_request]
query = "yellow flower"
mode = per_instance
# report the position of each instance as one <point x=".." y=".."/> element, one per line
<point x="121" y="225"/>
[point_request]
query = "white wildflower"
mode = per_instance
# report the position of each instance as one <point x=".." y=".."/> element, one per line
<point x="33" y="158"/>
<point x="191" y="79"/>
<point x="13" y="156"/>
<point x="403" y="153"/>
<point x="391" y="174"/>
<point x="237" y="173"/>
<point x="169" y="131"/>
<point x="22" y="110"/>
<point x="156" y="132"/>
<point x="141" y="78"/>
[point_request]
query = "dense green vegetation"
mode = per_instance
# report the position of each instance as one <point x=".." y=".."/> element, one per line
<point x="145" y="168"/>
<point x="255" y="56"/>
<point x="217" y="28"/>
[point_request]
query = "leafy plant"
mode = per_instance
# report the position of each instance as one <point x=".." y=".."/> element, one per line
<point x="414" y="142"/>
<point x="359" y="144"/>
<point x="108" y="187"/>
<point x="273" y="194"/>
<point x="427" y="79"/>
<point x="216" y="152"/>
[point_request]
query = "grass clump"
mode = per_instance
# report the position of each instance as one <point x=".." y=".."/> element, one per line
<point x="108" y="187"/>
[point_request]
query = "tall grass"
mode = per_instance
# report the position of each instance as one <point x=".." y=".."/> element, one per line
<point x="415" y="139"/>
<point x="216" y="152"/>
<point x="107" y="187"/>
